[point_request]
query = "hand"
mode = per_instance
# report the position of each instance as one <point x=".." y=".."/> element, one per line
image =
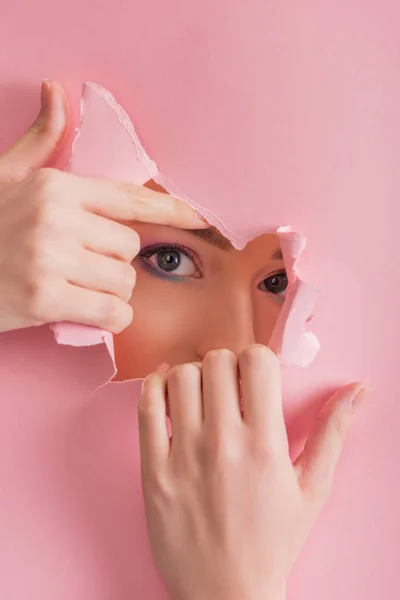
<point x="64" y="253"/>
<point x="226" y="509"/>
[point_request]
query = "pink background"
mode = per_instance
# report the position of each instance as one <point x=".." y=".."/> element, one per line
<point x="262" y="113"/>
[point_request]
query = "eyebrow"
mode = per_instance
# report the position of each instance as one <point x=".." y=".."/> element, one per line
<point x="215" y="238"/>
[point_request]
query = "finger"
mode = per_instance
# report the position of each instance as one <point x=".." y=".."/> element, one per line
<point x="80" y="305"/>
<point x="153" y="432"/>
<point x="184" y="398"/>
<point x="317" y="463"/>
<point x="36" y="147"/>
<point x="102" y="274"/>
<point x="221" y="399"/>
<point x="163" y="368"/>
<point x="107" y="237"/>
<point x="261" y="394"/>
<point x="123" y="201"/>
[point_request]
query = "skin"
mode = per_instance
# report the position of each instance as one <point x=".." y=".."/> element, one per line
<point x="222" y="493"/>
<point x="217" y="297"/>
<point x="66" y="247"/>
<point x="227" y="511"/>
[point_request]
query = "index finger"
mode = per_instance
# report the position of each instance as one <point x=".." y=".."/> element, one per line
<point x="125" y="201"/>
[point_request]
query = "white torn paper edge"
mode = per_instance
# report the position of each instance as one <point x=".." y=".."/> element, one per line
<point x="113" y="150"/>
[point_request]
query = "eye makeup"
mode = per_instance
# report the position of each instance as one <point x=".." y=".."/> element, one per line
<point x="149" y="251"/>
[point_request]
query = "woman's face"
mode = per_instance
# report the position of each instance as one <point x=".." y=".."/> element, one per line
<point x="195" y="292"/>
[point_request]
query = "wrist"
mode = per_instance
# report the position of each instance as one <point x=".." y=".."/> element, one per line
<point x="269" y="593"/>
<point x="278" y="594"/>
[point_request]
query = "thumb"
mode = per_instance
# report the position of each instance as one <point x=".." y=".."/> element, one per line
<point x="43" y="138"/>
<point x="317" y="463"/>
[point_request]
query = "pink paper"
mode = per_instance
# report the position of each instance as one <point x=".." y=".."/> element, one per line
<point x="114" y="150"/>
<point x="264" y="115"/>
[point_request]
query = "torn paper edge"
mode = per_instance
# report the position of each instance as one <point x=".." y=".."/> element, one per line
<point x="291" y="340"/>
<point x="149" y="164"/>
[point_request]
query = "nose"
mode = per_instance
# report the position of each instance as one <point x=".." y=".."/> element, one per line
<point x="228" y="323"/>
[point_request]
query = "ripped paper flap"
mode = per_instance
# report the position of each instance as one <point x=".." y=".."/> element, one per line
<point x="113" y="150"/>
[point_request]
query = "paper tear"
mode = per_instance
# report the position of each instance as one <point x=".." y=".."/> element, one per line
<point x="74" y="334"/>
<point x="121" y="156"/>
<point x="291" y="339"/>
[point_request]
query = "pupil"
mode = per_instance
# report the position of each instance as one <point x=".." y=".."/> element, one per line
<point x="277" y="283"/>
<point x="167" y="260"/>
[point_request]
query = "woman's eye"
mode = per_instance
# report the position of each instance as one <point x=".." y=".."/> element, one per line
<point x="275" y="284"/>
<point x="170" y="260"/>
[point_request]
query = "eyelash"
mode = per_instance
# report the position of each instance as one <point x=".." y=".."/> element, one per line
<point x="150" y="251"/>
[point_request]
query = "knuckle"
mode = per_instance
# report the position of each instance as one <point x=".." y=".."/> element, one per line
<point x="45" y="196"/>
<point x="221" y="452"/>
<point x="147" y="407"/>
<point x="127" y="316"/>
<point x="39" y="269"/>
<point x="340" y="426"/>
<point x="158" y="489"/>
<point x="133" y="244"/>
<point x="38" y="127"/>
<point x="128" y="278"/>
<point x="178" y="207"/>
<point x="150" y="383"/>
<point x="133" y="195"/>
<point x="184" y="372"/>
<point x="334" y="420"/>
<point x="116" y="314"/>
<point x="42" y="127"/>
<point x="140" y="192"/>
<point x="46" y="177"/>
<point x="32" y="291"/>
<point x="266" y="452"/>
<point x="219" y="355"/>
<point x="42" y="294"/>
<point x="217" y="450"/>
<point x="124" y="316"/>
<point x="42" y="251"/>
<point x="45" y="215"/>
<point x="197" y="364"/>
<point x="259" y="354"/>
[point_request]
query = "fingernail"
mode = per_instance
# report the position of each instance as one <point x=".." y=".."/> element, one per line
<point x="357" y="400"/>
<point x="163" y="368"/>
<point x="45" y="93"/>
